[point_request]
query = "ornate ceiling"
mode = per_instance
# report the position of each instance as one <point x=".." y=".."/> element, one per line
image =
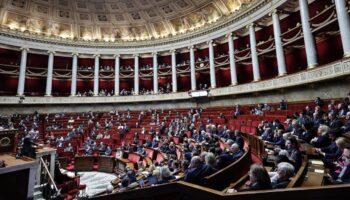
<point x="114" y="20"/>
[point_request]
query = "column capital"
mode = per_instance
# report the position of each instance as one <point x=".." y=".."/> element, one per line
<point x="75" y="54"/>
<point x="97" y="55"/>
<point x="275" y="11"/>
<point x="191" y="47"/>
<point x="229" y="35"/>
<point x="172" y="51"/>
<point x="154" y="53"/>
<point x="24" y="48"/>
<point x="116" y="55"/>
<point x="210" y="42"/>
<point x="51" y="52"/>
<point x="136" y="55"/>
<point x="251" y="25"/>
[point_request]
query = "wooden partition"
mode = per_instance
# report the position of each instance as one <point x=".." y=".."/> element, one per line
<point x="257" y="145"/>
<point x="106" y="164"/>
<point x="84" y="163"/>
<point x="187" y="191"/>
<point x="229" y="174"/>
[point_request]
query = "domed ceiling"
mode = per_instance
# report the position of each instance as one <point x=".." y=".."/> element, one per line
<point x="114" y="20"/>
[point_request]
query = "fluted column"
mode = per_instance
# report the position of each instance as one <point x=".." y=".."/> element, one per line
<point x="49" y="73"/>
<point x="281" y="62"/>
<point x="173" y="70"/>
<point x="255" y="60"/>
<point x="136" y="74"/>
<point x="22" y="72"/>
<point x="309" y="41"/>
<point x="344" y="25"/>
<point x="193" y="69"/>
<point x="233" y="70"/>
<point x="155" y="73"/>
<point x="117" y="75"/>
<point x="96" y="74"/>
<point x="73" y="89"/>
<point x="212" y="64"/>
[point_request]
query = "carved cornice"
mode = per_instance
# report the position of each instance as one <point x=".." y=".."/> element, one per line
<point x="240" y="15"/>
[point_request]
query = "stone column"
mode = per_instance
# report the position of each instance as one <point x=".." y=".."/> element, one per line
<point x="281" y="62"/>
<point x="96" y="74"/>
<point x="232" y="59"/>
<point x="309" y="41"/>
<point x="52" y="165"/>
<point x="212" y="64"/>
<point x="193" y="69"/>
<point x="73" y="90"/>
<point x="155" y="73"/>
<point x="49" y="73"/>
<point x="173" y="70"/>
<point x="22" y="72"/>
<point x="117" y="75"/>
<point x="344" y="25"/>
<point x="136" y="74"/>
<point x="255" y="60"/>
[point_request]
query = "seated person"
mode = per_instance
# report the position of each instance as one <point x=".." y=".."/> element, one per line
<point x="108" y="151"/>
<point x="88" y="150"/>
<point x="308" y="132"/>
<point x="101" y="147"/>
<point x="141" y="150"/>
<point x="124" y="184"/>
<point x="278" y="139"/>
<point x="210" y="163"/>
<point x="231" y="156"/>
<point x="69" y="148"/>
<point x="280" y="178"/>
<point x="154" y="143"/>
<point x="294" y="154"/>
<point x="99" y="136"/>
<point x="166" y="176"/>
<point x="258" y="179"/>
<point x="333" y="152"/>
<point x="196" y="172"/>
<point x="322" y="140"/>
<point x="343" y="177"/>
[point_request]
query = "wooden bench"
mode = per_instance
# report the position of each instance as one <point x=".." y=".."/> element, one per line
<point x="229" y="174"/>
<point x="299" y="177"/>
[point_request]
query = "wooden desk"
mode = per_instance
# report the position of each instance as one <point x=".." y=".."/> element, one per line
<point x="18" y="177"/>
<point x="106" y="164"/>
<point x="84" y="163"/>
<point x="313" y="179"/>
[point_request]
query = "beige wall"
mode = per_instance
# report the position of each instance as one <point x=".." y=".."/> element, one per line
<point x="337" y="88"/>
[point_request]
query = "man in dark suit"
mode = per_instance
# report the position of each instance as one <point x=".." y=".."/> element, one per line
<point x="308" y="133"/>
<point x="227" y="158"/>
<point x="333" y="121"/>
<point x="239" y="139"/>
<point x="196" y="172"/>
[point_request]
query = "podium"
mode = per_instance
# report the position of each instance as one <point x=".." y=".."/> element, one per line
<point x="18" y="177"/>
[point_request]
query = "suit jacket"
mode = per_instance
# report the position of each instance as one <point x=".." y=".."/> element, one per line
<point x="196" y="175"/>
<point x="307" y="135"/>
<point x="322" y="141"/>
<point x="335" y="124"/>
<point x="240" y="141"/>
<point x="345" y="177"/>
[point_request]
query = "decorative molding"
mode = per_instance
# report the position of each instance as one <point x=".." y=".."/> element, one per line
<point x="327" y="72"/>
<point x="228" y="24"/>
